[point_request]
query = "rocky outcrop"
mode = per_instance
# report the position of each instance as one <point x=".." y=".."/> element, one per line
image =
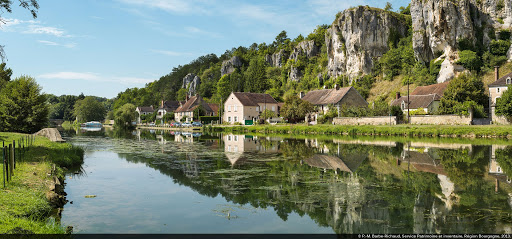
<point x="51" y="133"/>
<point x="192" y="82"/>
<point x="358" y="37"/>
<point x="230" y="65"/>
<point x="308" y="48"/>
<point x="295" y="74"/>
<point x="440" y="24"/>
<point x="277" y="59"/>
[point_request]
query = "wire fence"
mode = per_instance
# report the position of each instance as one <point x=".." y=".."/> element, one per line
<point x="12" y="153"/>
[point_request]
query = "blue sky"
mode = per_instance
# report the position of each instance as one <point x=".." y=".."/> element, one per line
<point x="102" y="47"/>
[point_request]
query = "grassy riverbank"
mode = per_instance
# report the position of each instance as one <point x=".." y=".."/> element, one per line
<point x="466" y="131"/>
<point x="23" y="202"/>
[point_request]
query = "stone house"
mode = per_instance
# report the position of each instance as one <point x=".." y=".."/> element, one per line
<point x="187" y="109"/>
<point x="337" y="97"/>
<point x="243" y="106"/>
<point x="423" y="98"/>
<point x="496" y="90"/>
<point x="167" y="107"/>
<point x="144" y="110"/>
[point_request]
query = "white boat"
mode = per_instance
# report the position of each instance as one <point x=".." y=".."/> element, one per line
<point x="92" y="124"/>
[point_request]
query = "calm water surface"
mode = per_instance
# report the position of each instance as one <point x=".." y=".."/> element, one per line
<point x="172" y="182"/>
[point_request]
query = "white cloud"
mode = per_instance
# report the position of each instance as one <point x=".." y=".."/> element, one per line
<point x="170" y="53"/>
<point x="38" y="29"/>
<point x="66" y="75"/>
<point x="51" y="43"/>
<point x="195" y="30"/>
<point x="176" y="6"/>
<point x="90" y="76"/>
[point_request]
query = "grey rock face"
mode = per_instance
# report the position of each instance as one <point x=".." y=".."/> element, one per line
<point x="277" y="59"/>
<point x="305" y="47"/>
<point x="358" y="37"/>
<point x="440" y="24"/>
<point x="192" y="81"/>
<point x="230" y="65"/>
<point x="295" y="74"/>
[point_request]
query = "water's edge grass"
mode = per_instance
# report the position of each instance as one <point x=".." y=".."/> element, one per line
<point x="434" y="131"/>
<point x="24" y="205"/>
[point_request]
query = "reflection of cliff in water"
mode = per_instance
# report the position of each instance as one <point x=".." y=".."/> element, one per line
<point x="352" y="188"/>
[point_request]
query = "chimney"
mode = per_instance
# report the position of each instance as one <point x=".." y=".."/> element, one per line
<point x="397" y="95"/>
<point x="336" y="86"/>
<point x="186" y="97"/>
<point x="301" y="94"/>
<point x="162" y="105"/>
<point x="497" y="73"/>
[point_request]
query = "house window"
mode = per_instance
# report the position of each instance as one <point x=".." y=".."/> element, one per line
<point x="235" y="137"/>
<point x="229" y="119"/>
<point x="403" y="105"/>
<point x="236" y="108"/>
<point x="273" y="108"/>
<point x="229" y="137"/>
<point x="236" y="149"/>
<point x="498" y="90"/>
<point x="508" y="81"/>
<point x="229" y="148"/>
<point x="236" y="118"/>
<point x="257" y="108"/>
<point x="229" y="108"/>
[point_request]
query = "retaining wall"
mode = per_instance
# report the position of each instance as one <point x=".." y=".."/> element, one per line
<point x="441" y="119"/>
<point x="378" y="120"/>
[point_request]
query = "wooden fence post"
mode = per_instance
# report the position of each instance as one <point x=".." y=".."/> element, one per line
<point x="3" y="165"/>
<point x="14" y="154"/>
<point x="11" y="162"/>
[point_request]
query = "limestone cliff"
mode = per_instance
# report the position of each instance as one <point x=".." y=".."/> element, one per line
<point x="230" y="65"/>
<point x="358" y="37"/>
<point x="439" y="25"/>
<point x="192" y="82"/>
<point x="277" y="59"/>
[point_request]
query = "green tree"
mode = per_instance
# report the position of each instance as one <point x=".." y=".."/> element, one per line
<point x="5" y="75"/>
<point x="295" y="109"/>
<point x="266" y="114"/>
<point x="461" y="90"/>
<point x="388" y="6"/>
<point x="255" y="76"/>
<point x="125" y="115"/>
<point x="281" y="38"/>
<point x="181" y="94"/>
<point x="470" y="60"/>
<point x="504" y="105"/>
<point x="89" y="109"/>
<point x="223" y="88"/>
<point x="23" y="108"/>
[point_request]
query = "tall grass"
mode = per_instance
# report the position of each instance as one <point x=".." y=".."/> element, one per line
<point x="397" y="130"/>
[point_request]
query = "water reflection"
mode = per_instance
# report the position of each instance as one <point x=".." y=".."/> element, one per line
<point x="349" y="185"/>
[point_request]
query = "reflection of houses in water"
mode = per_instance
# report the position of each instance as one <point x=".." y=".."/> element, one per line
<point x="183" y="137"/>
<point x="190" y="166"/>
<point x="161" y="139"/>
<point x="236" y="145"/>
<point x="349" y="164"/>
<point x="494" y="167"/>
<point x="422" y="161"/>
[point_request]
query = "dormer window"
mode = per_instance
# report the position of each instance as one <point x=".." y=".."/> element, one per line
<point x="403" y="105"/>
<point x="509" y="81"/>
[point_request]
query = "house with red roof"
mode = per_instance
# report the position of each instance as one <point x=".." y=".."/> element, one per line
<point x="187" y="109"/>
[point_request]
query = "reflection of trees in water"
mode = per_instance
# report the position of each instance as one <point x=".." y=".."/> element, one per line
<point x="369" y="200"/>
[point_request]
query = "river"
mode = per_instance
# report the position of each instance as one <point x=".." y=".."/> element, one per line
<point x="176" y="182"/>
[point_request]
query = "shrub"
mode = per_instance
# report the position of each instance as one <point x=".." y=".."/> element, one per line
<point x="208" y="119"/>
<point x="435" y="67"/>
<point x="470" y="60"/>
<point x="499" y="47"/>
<point x="504" y="35"/>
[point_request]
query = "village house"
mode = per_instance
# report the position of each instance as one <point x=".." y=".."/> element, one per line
<point x="425" y="99"/>
<point x="337" y="97"/>
<point x="144" y="110"/>
<point x="167" y="107"/>
<point x="496" y="90"/>
<point x="187" y="109"/>
<point x="245" y="108"/>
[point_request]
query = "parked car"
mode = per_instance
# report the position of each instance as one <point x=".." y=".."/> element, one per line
<point x="186" y="124"/>
<point x="197" y="124"/>
<point x="175" y="124"/>
<point x="152" y="124"/>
